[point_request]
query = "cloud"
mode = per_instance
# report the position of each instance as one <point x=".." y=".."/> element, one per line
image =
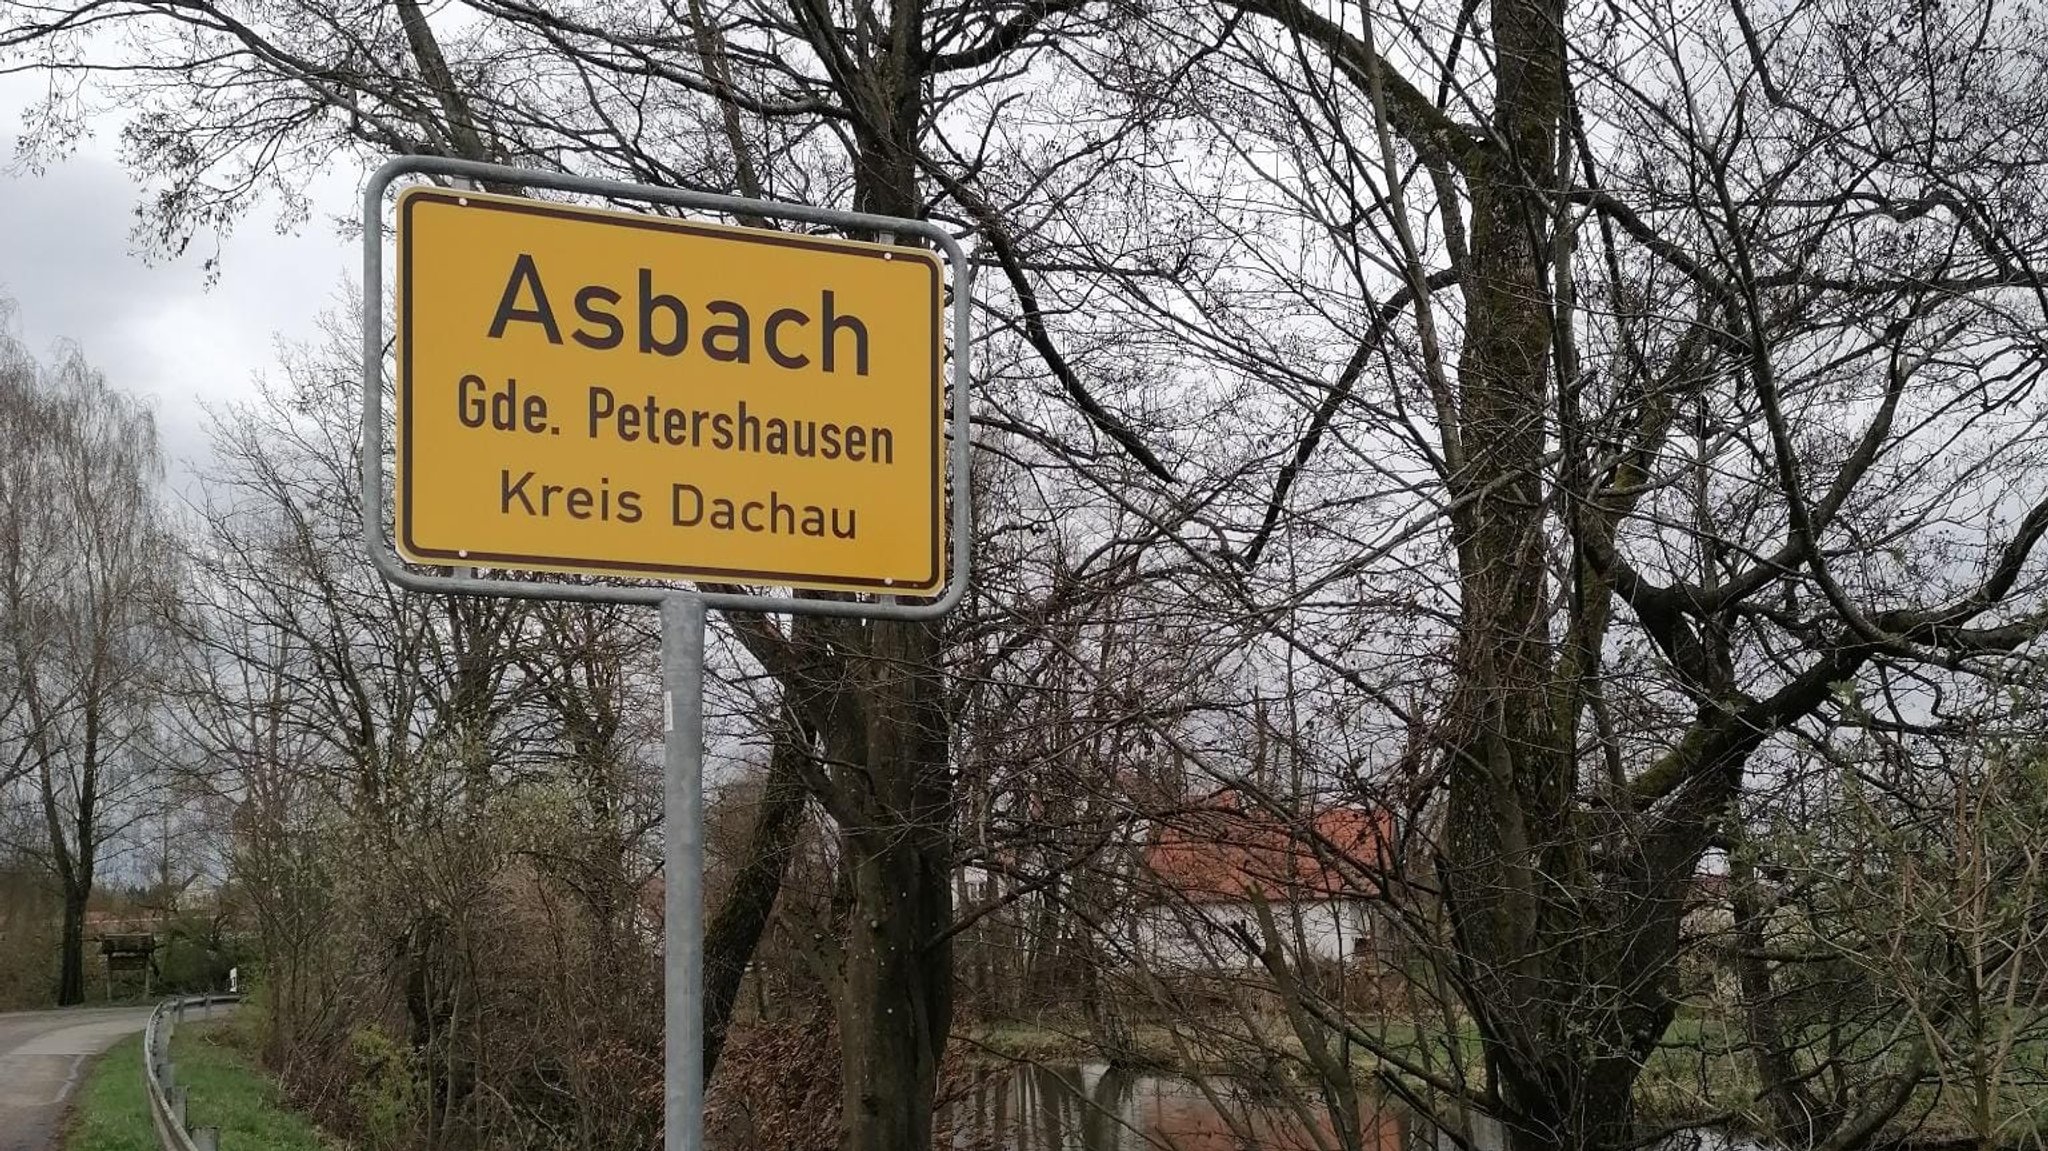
<point x="155" y="327"/>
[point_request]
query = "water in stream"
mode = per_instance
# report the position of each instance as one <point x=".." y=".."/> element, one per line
<point x="1089" y="1107"/>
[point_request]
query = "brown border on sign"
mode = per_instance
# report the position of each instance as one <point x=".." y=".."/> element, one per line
<point x="809" y="580"/>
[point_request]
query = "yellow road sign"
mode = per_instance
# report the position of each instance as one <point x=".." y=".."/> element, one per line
<point x="622" y="394"/>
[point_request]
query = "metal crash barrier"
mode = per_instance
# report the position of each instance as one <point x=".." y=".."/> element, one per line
<point x="167" y="1096"/>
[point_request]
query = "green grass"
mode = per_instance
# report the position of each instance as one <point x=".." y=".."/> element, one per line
<point x="110" y="1112"/>
<point x="225" y="1091"/>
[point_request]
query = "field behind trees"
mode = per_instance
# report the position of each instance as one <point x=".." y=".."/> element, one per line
<point x="1506" y="584"/>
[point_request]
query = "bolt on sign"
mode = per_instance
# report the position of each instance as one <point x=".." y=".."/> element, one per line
<point x="619" y="394"/>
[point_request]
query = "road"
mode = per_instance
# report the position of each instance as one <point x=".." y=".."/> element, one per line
<point x="43" y="1055"/>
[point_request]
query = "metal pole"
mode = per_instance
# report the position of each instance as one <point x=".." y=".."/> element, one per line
<point x="682" y="681"/>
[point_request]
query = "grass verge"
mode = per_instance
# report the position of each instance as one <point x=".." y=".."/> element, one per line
<point x="110" y="1113"/>
<point x="226" y="1091"/>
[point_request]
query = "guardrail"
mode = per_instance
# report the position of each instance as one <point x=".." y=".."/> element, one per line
<point x="160" y="1075"/>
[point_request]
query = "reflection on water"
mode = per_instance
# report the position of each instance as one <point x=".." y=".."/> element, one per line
<point x="1089" y="1107"/>
<point x="1093" y="1108"/>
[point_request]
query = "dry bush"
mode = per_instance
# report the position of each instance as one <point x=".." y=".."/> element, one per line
<point x="777" y="1089"/>
<point x="491" y="984"/>
<point x="28" y="939"/>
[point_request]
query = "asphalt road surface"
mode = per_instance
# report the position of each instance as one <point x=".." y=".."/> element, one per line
<point x="43" y="1056"/>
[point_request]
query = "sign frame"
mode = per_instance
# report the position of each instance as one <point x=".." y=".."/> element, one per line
<point x="956" y="521"/>
<point x="928" y="389"/>
<point x="683" y="608"/>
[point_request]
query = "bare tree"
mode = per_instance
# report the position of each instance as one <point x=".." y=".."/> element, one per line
<point x="1669" y="378"/>
<point x="87" y="580"/>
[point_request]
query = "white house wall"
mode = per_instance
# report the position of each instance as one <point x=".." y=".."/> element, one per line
<point x="1200" y="937"/>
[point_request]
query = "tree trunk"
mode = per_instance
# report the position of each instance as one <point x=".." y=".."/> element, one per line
<point x="895" y="993"/>
<point x="1596" y="1110"/>
<point x="895" y="1009"/>
<point x="1534" y="927"/>
<point x="733" y="934"/>
<point x="895" y="1000"/>
<point x="71" y="972"/>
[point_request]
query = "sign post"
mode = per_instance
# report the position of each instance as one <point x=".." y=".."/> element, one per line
<point x="682" y="844"/>
<point x="628" y="395"/>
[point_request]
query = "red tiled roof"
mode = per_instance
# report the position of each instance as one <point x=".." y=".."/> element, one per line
<point x="1222" y="853"/>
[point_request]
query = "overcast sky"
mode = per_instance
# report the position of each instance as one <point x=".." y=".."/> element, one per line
<point x="155" y="327"/>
